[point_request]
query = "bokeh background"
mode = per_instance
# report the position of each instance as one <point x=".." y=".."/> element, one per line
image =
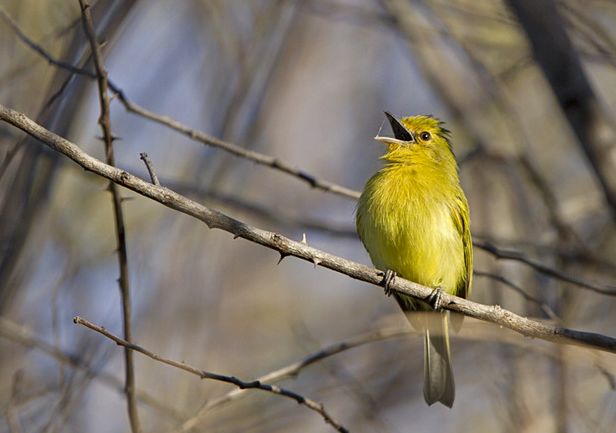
<point x="306" y="81"/>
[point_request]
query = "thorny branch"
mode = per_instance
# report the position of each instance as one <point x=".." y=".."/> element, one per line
<point x="241" y="384"/>
<point x="287" y="247"/>
<point x="105" y="123"/>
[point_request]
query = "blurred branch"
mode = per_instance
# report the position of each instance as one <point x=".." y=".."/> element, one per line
<point x="591" y="30"/>
<point x="544" y="307"/>
<point x="40" y="50"/>
<point x="105" y="123"/>
<point x="193" y="134"/>
<point x="292" y="370"/>
<point x="565" y="74"/>
<point x="540" y="267"/>
<point x="255" y="384"/>
<point x="10" y="412"/>
<point x="17" y="333"/>
<point x="475" y="331"/>
<point x="287" y="247"/>
<point x="256" y="157"/>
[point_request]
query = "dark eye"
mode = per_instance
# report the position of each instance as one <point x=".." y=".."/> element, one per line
<point x="425" y="136"/>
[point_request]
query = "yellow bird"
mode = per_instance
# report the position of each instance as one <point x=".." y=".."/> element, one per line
<point x="413" y="219"/>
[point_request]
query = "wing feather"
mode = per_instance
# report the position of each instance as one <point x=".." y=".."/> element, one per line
<point x="460" y="216"/>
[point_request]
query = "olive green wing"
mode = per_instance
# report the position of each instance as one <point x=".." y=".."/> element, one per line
<point x="461" y="220"/>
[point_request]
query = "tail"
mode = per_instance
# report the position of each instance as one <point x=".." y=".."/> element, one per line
<point x="438" y="375"/>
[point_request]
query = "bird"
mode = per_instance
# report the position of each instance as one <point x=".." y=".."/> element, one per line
<point x="413" y="219"/>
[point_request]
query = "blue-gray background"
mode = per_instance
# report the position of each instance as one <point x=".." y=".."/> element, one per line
<point x="306" y="81"/>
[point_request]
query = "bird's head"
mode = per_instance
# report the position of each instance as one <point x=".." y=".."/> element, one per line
<point x="416" y="137"/>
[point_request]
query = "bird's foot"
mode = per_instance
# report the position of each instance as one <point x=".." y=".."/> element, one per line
<point x="388" y="277"/>
<point x="436" y="299"/>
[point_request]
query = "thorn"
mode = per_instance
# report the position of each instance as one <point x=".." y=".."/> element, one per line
<point x="316" y="261"/>
<point x="235" y="236"/>
<point x="282" y="256"/>
<point x="304" y="241"/>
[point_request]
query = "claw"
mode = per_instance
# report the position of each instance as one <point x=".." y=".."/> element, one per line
<point x="388" y="277"/>
<point x="436" y="299"/>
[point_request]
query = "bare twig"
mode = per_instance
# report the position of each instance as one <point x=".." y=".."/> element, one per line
<point x="241" y="384"/>
<point x="288" y="247"/>
<point x="105" y="123"/>
<point x="148" y="164"/>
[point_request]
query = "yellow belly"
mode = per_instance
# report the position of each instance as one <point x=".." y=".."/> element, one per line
<point x="405" y="222"/>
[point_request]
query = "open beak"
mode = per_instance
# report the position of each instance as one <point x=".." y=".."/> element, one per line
<point x="401" y="134"/>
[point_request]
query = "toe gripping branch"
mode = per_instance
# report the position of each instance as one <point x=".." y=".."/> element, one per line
<point x="388" y="277"/>
<point x="435" y="299"/>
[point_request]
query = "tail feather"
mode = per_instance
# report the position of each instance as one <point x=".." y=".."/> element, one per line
<point x="438" y="374"/>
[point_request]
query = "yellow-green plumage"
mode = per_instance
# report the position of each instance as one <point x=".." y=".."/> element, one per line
<point x="413" y="219"/>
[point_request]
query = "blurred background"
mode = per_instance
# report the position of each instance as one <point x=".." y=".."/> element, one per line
<point x="528" y="90"/>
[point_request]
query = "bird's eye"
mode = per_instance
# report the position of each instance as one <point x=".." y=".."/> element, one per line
<point x="425" y="136"/>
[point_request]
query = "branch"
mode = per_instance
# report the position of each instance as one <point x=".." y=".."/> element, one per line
<point x="105" y="123"/>
<point x="255" y="384"/>
<point x="150" y="167"/>
<point x="287" y="247"/>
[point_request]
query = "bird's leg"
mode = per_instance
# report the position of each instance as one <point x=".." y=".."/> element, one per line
<point x="388" y="278"/>
<point x="436" y="298"/>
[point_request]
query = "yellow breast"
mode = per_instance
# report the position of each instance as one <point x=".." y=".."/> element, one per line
<point x="404" y="219"/>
